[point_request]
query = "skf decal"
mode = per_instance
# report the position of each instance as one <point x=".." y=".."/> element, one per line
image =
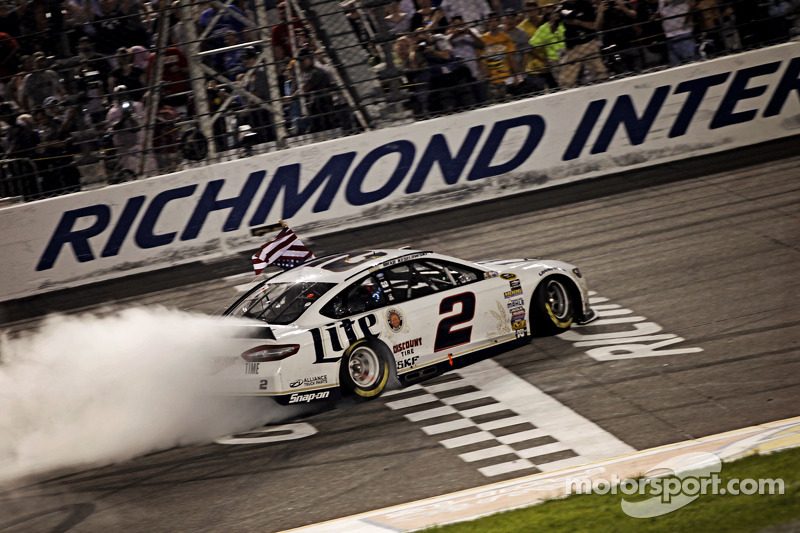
<point x="407" y="363"/>
<point x="306" y="398"/>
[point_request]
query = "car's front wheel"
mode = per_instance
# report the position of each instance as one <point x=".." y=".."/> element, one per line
<point x="553" y="306"/>
<point x="365" y="371"/>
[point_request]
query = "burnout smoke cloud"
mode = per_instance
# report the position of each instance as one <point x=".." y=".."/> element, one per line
<point x="91" y="389"/>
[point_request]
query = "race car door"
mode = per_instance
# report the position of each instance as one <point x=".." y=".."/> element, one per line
<point x="438" y="310"/>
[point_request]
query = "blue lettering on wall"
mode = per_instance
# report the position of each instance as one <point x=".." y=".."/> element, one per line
<point x="79" y="239"/>
<point x="290" y="192"/>
<point x="789" y="82"/>
<point x="624" y="113"/>
<point x="697" y="91"/>
<point x="738" y="91"/>
<point x="353" y="192"/>
<point x="145" y="236"/>
<point x="483" y="169"/>
<point x="287" y="179"/>
<point x="208" y="202"/>
<point x="123" y="226"/>
<point x="583" y="131"/>
<point x="438" y="152"/>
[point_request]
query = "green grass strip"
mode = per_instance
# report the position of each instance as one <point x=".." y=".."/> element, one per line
<point x="709" y="512"/>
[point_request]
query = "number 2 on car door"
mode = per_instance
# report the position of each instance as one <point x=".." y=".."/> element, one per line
<point x="446" y="335"/>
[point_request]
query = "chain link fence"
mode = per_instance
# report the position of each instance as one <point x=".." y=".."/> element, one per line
<point x="98" y="93"/>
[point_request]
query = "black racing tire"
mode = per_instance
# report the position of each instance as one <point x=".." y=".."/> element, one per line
<point x="553" y="306"/>
<point x="365" y="370"/>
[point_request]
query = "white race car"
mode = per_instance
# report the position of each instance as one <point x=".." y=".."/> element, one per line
<point x="359" y="323"/>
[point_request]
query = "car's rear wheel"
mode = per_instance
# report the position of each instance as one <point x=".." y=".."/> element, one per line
<point x="554" y="307"/>
<point x="365" y="371"/>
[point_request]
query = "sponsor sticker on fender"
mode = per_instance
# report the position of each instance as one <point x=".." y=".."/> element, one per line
<point x="310" y="397"/>
<point x="309" y="382"/>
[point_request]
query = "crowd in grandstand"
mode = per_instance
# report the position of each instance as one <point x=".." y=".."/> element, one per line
<point x="78" y="78"/>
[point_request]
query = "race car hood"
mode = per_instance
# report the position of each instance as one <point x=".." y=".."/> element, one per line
<point x="506" y="265"/>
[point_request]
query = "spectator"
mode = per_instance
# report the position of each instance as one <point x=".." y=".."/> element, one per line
<point x="140" y="56"/>
<point x="548" y="40"/>
<point x="316" y="87"/>
<point x="90" y="91"/>
<point x="11" y="18"/>
<point x="422" y="14"/>
<point x="259" y="119"/>
<point x="415" y="70"/>
<point x="285" y="34"/>
<point x="397" y="21"/>
<point x="40" y="83"/>
<point x="41" y="26"/>
<point x="580" y="31"/>
<point x="651" y="33"/>
<point x="256" y="80"/>
<point x="116" y="25"/>
<point x="359" y="25"/>
<point x="449" y="79"/>
<point x="729" y="31"/>
<point x="94" y="61"/>
<point x="498" y="59"/>
<point x="8" y="57"/>
<point x="474" y="12"/>
<point x="292" y="110"/>
<point x="14" y="85"/>
<point x="779" y="23"/>
<point x="125" y="119"/>
<point x="533" y="18"/>
<point x="166" y="138"/>
<point x="504" y="6"/>
<point x="174" y="78"/>
<point x="22" y="143"/>
<point x="678" y="28"/>
<point x="706" y="27"/>
<point x="232" y="61"/>
<point x="468" y="45"/>
<point x="529" y="82"/>
<point x="536" y="65"/>
<point x="128" y="74"/>
<point x="226" y="23"/>
<point x="616" y="21"/>
<point x="435" y="20"/>
<point x="53" y="158"/>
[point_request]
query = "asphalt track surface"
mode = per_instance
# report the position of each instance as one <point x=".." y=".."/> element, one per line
<point x="704" y="253"/>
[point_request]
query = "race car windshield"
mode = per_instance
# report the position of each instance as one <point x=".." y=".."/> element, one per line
<point x="280" y="303"/>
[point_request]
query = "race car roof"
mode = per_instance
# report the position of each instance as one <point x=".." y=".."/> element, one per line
<point x="337" y="268"/>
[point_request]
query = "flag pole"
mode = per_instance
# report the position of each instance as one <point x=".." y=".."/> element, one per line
<point x="269" y="228"/>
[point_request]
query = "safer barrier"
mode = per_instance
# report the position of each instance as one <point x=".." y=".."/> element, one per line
<point x="470" y="157"/>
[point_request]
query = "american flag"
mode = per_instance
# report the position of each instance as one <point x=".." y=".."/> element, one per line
<point x="285" y="251"/>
